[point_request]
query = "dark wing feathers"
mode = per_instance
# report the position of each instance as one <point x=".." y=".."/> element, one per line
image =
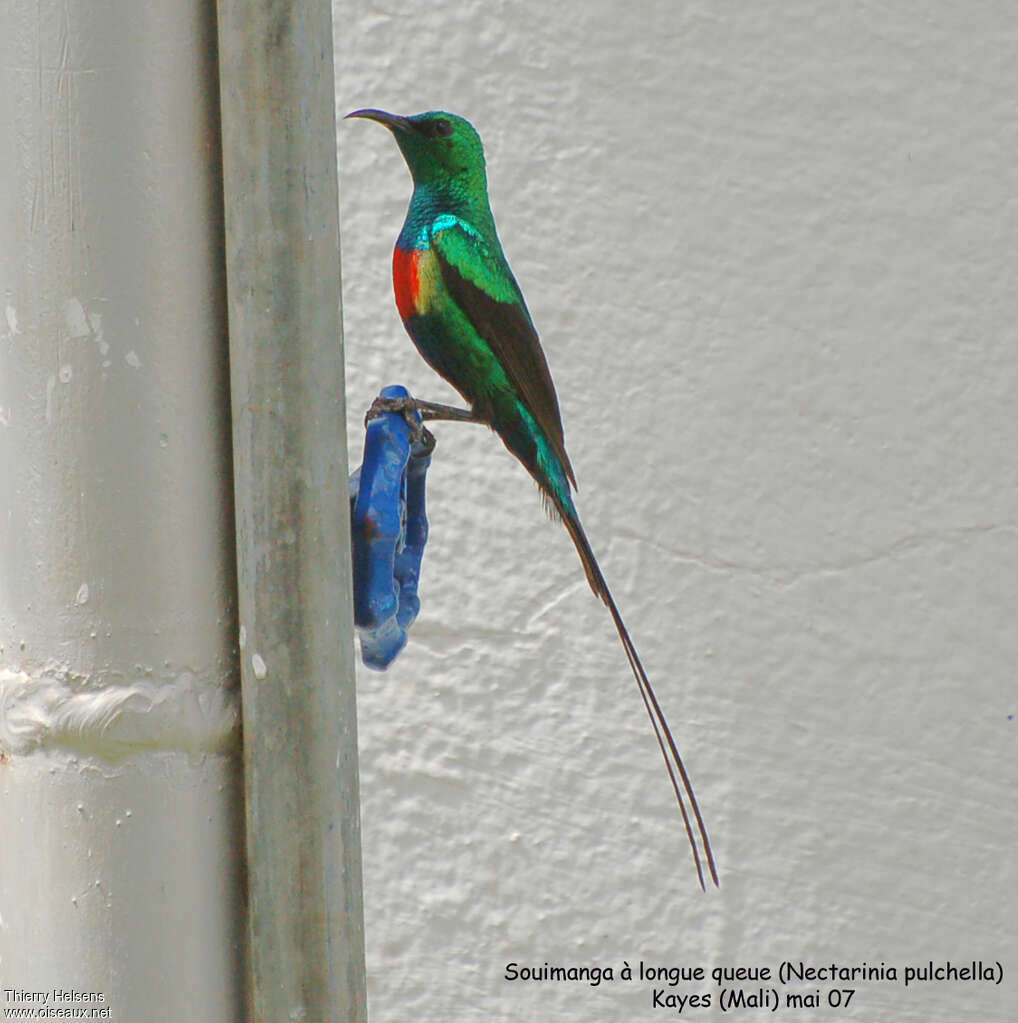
<point x="507" y="329"/>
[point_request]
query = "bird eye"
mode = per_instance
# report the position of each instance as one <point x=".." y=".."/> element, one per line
<point x="442" y="127"/>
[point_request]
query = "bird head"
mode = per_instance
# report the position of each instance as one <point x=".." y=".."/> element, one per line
<point x="439" y="148"/>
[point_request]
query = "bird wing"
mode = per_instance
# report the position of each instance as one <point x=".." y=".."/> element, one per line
<point x="481" y="284"/>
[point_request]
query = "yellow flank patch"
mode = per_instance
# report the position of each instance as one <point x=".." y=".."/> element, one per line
<point x="429" y="280"/>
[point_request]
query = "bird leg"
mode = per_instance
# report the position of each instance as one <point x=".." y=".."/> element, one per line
<point x="429" y="410"/>
<point x="432" y="410"/>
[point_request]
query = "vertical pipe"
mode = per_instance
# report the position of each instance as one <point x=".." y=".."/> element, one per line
<point x="293" y="539"/>
<point x="120" y="802"/>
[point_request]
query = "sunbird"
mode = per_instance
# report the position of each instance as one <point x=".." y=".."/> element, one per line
<point x="465" y="313"/>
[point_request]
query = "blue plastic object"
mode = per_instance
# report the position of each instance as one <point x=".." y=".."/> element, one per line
<point x="389" y="528"/>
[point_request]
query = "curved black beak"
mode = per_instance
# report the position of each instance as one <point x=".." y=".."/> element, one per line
<point x="392" y="121"/>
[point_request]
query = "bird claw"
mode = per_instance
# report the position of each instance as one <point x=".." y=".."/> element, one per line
<point x="425" y="444"/>
<point x="421" y="437"/>
<point x="404" y="406"/>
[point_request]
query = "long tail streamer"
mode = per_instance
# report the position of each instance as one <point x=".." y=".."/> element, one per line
<point x="670" y="752"/>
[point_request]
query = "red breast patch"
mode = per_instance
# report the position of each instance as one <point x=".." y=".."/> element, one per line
<point x="405" y="281"/>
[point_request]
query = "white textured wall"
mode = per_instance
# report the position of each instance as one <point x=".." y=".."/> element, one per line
<point x="771" y="254"/>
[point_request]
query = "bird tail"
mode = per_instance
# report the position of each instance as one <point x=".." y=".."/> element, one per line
<point x="673" y="761"/>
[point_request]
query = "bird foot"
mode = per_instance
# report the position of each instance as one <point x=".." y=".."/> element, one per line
<point x="420" y="435"/>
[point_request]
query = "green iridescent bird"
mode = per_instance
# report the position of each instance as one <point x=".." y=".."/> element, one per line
<point x="464" y="311"/>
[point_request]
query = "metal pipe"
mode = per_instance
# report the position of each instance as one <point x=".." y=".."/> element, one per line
<point x="120" y="862"/>
<point x="293" y="534"/>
